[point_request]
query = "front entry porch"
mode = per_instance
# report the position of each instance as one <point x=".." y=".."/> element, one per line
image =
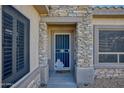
<point x="77" y="57"/>
<point x="61" y="80"/>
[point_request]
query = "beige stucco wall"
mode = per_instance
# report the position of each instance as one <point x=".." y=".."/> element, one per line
<point x="108" y="21"/>
<point x="33" y="16"/>
<point x="0" y="45"/>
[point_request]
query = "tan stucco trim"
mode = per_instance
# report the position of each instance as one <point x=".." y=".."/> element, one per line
<point x="108" y="16"/>
<point x="61" y="20"/>
<point x="41" y="9"/>
<point x="62" y="27"/>
<point x="108" y="21"/>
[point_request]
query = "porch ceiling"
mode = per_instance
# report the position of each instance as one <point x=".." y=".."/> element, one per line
<point x="42" y="9"/>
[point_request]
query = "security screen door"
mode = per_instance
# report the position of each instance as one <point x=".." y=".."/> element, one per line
<point x="62" y="50"/>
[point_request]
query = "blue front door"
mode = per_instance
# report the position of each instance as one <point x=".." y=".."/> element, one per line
<point x="62" y="51"/>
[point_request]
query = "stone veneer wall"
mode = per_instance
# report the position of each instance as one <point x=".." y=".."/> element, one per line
<point x="109" y="73"/>
<point x="43" y="44"/>
<point x="68" y="10"/>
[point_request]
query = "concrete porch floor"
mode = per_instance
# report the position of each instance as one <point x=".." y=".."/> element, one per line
<point x="61" y="80"/>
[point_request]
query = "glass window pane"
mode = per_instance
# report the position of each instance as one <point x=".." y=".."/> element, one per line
<point x="107" y="58"/>
<point x="67" y="41"/>
<point x="59" y="41"/>
<point x="111" y="41"/>
<point x="121" y="58"/>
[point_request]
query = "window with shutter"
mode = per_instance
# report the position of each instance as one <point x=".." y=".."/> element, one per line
<point x="15" y="45"/>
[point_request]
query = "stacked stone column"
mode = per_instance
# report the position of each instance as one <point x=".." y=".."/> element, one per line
<point x="43" y="55"/>
<point x="84" y="41"/>
<point x="84" y="49"/>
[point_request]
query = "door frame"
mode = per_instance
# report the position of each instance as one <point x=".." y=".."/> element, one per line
<point x="65" y="33"/>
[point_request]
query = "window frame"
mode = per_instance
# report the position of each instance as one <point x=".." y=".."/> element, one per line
<point x="18" y="16"/>
<point x="97" y="64"/>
